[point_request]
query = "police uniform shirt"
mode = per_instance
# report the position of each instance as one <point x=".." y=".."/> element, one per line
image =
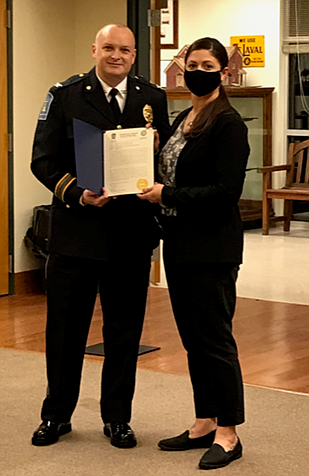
<point x="121" y="95"/>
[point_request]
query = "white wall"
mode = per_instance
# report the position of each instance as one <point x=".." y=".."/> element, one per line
<point x="91" y="15"/>
<point x="225" y="18"/>
<point x="42" y="35"/>
<point x="51" y="41"/>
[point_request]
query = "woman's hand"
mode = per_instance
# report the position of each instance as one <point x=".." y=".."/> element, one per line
<point x="153" y="194"/>
<point x="156" y="141"/>
<point x="91" y="198"/>
<point x="156" y="137"/>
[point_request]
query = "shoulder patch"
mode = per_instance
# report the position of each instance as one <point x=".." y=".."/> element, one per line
<point x="46" y="106"/>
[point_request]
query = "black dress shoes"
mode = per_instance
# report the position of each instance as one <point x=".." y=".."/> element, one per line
<point x="49" y="432"/>
<point x="217" y="457"/>
<point x="183" y="442"/>
<point x="121" y="435"/>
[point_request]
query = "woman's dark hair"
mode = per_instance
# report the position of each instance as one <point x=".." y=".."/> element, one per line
<point x="214" y="46"/>
<point x="211" y="111"/>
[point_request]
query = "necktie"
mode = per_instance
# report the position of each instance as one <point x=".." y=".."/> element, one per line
<point x="114" y="104"/>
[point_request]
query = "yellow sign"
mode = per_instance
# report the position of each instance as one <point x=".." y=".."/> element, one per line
<point x="252" y="48"/>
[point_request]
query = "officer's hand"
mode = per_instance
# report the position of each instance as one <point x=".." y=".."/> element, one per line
<point x="91" y="198"/>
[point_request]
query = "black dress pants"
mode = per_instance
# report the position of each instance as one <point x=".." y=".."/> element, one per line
<point x="72" y="286"/>
<point x="203" y="298"/>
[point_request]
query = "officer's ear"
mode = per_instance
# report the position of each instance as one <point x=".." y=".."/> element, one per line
<point x="94" y="50"/>
<point x="134" y="56"/>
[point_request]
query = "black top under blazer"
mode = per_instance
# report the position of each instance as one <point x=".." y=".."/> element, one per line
<point x="209" y="178"/>
<point x="123" y="227"/>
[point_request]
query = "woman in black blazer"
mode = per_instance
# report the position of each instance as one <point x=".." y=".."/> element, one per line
<point x="202" y="171"/>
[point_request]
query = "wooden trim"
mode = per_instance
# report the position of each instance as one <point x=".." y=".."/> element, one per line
<point x="155" y="52"/>
<point x="288" y="194"/>
<point x="273" y="168"/>
<point x="30" y="281"/>
<point x="4" y="192"/>
<point x="265" y="205"/>
<point x="184" y="93"/>
<point x="174" y="45"/>
<point x="157" y="272"/>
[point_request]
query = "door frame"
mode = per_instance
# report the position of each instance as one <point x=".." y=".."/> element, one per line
<point x="4" y="144"/>
<point x="11" y="150"/>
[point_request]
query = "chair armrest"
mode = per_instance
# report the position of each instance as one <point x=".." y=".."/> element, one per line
<point x="272" y="168"/>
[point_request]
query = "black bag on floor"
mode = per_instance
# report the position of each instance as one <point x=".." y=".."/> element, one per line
<point x="37" y="235"/>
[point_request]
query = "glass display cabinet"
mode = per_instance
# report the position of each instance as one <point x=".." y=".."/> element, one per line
<point x="298" y="94"/>
<point x="254" y="104"/>
<point x="298" y="118"/>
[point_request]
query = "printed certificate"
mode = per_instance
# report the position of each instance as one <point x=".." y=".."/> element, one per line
<point x="128" y="160"/>
<point x="121" y="160"/>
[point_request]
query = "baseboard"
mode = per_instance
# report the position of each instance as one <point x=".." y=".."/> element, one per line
<point x="29" y="282"/>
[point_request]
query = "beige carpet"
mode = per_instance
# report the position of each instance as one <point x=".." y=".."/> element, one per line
<point x="275" y="437"/>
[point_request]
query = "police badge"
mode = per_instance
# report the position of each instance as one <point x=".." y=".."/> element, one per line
<point x="148" y="113"/>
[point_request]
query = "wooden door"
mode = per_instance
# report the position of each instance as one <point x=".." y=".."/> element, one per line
<point x="4" y="215"/>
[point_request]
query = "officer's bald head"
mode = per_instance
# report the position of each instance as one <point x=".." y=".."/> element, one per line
<point x="114" y="26"/>
<point x="114" y="52"/>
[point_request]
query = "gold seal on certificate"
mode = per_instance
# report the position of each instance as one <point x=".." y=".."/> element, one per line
<point x="142" y="183"/>
<point x="148" y="113"/>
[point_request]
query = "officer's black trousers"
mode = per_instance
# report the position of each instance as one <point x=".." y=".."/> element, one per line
<point x="72" y="285"/>
<point x="203" y="298"/>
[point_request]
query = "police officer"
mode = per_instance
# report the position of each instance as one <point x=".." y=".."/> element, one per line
<point x="95" y="242"/>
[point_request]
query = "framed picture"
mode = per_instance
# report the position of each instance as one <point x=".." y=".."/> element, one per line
<point x="169" y="26"/>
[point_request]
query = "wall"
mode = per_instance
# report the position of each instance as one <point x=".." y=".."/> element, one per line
<point x="51" y="41"/>
<point x="42" y="35"/>
<point x="90" y="16"/>
<point x="225" y="18"/>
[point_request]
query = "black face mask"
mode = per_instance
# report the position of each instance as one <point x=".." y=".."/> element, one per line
<point x="201" y="82"/>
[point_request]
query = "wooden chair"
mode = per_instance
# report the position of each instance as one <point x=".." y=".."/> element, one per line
<point x="296" y="185"/>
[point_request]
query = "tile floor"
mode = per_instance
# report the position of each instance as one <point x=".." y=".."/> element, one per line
<point x="276" y="266"/>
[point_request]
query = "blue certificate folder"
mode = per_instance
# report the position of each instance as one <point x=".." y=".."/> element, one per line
<point x="89" y="152"/>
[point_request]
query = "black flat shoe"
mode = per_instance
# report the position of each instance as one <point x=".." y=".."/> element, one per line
<point x="183" y="442"/>
<point x="49" y="432"/>
<point x="121" y="435"/>
<point x="217" y="457"/>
